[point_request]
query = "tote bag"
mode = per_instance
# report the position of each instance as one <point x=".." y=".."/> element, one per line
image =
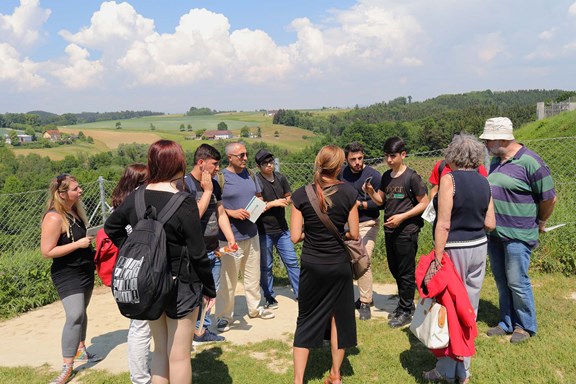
<point x="430" y="324"/>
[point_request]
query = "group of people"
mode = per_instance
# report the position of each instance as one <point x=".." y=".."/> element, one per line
<point x="498" y="213"/>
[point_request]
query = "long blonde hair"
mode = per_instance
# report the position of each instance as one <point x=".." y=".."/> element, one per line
<point x="55" y="201"/>
<point x="327" y="166"/>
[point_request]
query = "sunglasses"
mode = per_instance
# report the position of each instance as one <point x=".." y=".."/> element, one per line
<point x="60" y="178"/>
<point x="240" y="155"/>
<point x="267" y="163"/>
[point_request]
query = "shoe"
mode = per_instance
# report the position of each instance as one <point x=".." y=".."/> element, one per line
<point x="65" y="375"/>
<point x="519" y="335"/>
<point x="263" y="314"/>
<point x="271" y="303"/>
<point x="222" y="325"/>
<point x="364" y="311"/>
<point x="402" y="319"/>
<point x="394" y="313"/>
<point x="333" y="380"/>
<point x="434" y="375"/>
<point x="466" y="380"/>
<point x="207" y="337"/>
<point x="496" y="331"/>
<point x="82" y="355"/>
<point x="358" y="302"/>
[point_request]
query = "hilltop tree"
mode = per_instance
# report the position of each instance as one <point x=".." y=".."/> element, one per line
<point x="182" y="128"/>
<point x="189" y="128"/>
<point x="118" y="125"/>
<point x="245" y="131"/>
<point x="259" y="132"/>
<point x="222" y="126"/>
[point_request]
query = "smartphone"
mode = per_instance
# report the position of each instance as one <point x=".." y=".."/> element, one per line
<point x="368" y="180"/>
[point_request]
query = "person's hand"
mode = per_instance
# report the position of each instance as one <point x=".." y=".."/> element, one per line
<point x="84" y="242"/>
<point x="206" y="182"/>
<point x="368" y="188"/>
<point x="208" y="302"/>
<point x="281" y="202"/>
<point x="239" y="214"/>
<point x="394" y="221"/>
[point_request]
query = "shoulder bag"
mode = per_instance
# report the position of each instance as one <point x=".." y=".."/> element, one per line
<point x="430" y="324"/>
<point x="356" y="250"/>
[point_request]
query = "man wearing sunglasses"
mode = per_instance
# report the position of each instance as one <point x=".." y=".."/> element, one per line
<point x="238" y="189"/>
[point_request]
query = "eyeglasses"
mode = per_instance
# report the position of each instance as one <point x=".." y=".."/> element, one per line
<point x="240" y="155"/>
<point x="267" y="163"/>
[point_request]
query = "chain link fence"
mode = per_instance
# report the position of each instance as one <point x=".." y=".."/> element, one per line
<point x="20" y="257"/>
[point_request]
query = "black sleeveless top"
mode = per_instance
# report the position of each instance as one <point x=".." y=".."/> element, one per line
<point x="74" y="272"/>
<point x="471" y="199"/>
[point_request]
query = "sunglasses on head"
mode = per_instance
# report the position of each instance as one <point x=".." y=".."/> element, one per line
<point x="60" y="178"/>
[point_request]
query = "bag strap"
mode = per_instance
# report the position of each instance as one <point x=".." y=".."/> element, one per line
<point x="170" y="208"/>
<point x="321" y="215"/>
<point x="139" y="202"/>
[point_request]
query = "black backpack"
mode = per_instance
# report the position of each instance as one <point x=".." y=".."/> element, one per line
<point x="142" y="278"/>
<point x="410" y="193"/>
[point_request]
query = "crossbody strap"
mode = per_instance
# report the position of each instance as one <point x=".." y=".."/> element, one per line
<point x="321" y="215"/>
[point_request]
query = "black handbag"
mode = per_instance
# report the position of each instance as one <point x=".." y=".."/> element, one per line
<point x="356" y="250"/>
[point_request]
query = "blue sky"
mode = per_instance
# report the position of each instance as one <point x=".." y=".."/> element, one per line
<point x="73" y="56"/>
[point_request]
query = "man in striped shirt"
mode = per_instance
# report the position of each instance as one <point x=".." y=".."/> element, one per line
<point x="524" y="197"/>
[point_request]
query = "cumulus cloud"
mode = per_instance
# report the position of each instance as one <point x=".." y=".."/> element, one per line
<point x="17" y="71"/>
<point x="78" y="72"/>
<point x="24" y="26"/>
<point x="572" y="9"/>
<point x="547" y="35"/>
<point x="489" y="46"/>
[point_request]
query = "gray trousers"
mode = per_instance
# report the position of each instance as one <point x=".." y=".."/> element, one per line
<point x="470" y="263"/>
<point x="76" y="321"/>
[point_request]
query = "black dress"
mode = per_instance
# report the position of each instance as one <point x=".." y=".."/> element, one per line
<point x="326" y="286"/>
<point x="74" y="272"/>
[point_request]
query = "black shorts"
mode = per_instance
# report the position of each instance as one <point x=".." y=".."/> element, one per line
<point x="184" y="299"/>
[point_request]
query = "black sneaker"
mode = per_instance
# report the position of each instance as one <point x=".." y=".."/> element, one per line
<point x="207" y="337"/>
<point x="402" y="319"/>
<point x="271" y="303"/>
<point x="358" y="302"/>
<point x="394" y="313"/>
<point x="364" y="311"/>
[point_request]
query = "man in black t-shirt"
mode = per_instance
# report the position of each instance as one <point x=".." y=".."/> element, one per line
<point x="273" y="228"/>
<point x="213" y="219"/>
<point x="404" y="196"/>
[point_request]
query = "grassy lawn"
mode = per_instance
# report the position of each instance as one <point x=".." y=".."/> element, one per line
<point x="385" y="355"/>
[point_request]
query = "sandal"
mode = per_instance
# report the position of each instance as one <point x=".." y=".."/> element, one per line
<point x="331" y="379"/>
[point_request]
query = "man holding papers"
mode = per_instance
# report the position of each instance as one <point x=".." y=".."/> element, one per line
<point x="238" y="190"/>
<point x="273" y="228"/>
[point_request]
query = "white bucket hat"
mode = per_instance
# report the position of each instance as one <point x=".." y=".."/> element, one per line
<point x="497" y="128"/>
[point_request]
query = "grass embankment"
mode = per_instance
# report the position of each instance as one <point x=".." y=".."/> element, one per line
<point x="386" y="355"/>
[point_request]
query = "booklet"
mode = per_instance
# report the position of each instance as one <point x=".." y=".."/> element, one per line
<point x="255" y="207"/>
<point x="429" y="213"/>
<point x="553" y="227"/>
<point x="92" y="231"/>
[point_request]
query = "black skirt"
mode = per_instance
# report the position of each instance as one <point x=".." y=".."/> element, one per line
<point x="325" y="290"/>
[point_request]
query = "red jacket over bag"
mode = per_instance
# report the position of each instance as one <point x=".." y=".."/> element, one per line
<point x="449" y="290"/>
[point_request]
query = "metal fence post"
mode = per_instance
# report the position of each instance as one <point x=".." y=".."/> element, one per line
<point x="102" y="197"/>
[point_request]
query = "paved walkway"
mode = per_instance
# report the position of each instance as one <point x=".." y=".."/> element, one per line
<point x="33" y="339"/>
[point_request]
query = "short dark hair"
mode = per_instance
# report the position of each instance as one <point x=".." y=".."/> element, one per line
<point x="353" y="147"/>
<point x="206" y="151"/>
<point x="394" y="145"/>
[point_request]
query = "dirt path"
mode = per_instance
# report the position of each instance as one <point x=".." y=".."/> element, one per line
<point x="33" y="339"/>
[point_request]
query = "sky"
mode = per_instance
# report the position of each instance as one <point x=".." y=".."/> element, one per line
<point x="70" y="56"/>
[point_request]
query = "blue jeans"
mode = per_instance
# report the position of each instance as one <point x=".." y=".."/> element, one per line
<point x="510" y="261"/>
<point x="287" y="253"/>
<point x="215" y="263"/>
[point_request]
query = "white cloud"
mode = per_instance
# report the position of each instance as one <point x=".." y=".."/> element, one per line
<point x="489" y="47"/>
<point x="17" y="71"/>
<point x="79" y="72"/>
<point x="547" y="35"/>
<point x="572" y="9"/>
<point x="24" y="26"/>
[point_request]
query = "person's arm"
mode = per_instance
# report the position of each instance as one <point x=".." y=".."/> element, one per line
<point x="353" y="224"/>
<point x="490" y="219"/>
<point x="224" y="224"/>
<point x="296" y="225"/>
<point x="433" y="192"/>
<point x="207" y="188"/>
<point x="51" y="231"/>
<point x="445" y="203"/>
<point x="545" y="209"/>
<point x="376" y="196"/>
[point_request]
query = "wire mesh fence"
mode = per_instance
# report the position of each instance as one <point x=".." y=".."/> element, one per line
<point x="21" y="213"/>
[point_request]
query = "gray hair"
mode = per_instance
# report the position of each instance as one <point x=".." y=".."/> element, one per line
<point x="230" y="146"/>
<point x="465" y="151"/>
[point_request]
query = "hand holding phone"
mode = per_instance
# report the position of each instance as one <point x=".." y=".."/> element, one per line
<point x="368" y="180"/>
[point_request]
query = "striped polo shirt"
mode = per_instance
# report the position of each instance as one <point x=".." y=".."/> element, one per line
<point x="518" y="185"/>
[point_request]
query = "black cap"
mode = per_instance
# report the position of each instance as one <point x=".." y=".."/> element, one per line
<point x="262" y="155"/>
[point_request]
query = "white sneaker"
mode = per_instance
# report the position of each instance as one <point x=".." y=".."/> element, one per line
<point x="263" y="314"/>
